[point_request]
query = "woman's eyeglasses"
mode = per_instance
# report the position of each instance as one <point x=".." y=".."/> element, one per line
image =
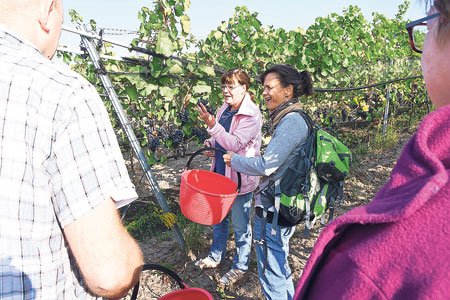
<point x="230" y="87"/>
<point x="417" y="31"/>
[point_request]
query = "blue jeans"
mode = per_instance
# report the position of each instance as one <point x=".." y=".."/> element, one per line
<point x="271" y="254"/>
<point x="240" y="220"/>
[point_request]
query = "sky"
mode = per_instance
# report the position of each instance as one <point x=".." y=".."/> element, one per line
<point x="206" y="15"/>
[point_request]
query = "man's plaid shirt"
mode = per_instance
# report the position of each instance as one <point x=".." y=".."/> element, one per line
<point x="59" y="158"/>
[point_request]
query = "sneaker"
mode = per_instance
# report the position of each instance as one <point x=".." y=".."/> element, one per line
<point x="232" y="276"/>
<point x="207" y="263"/>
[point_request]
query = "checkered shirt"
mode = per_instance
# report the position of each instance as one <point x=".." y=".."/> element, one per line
<point x="59" y="158"/>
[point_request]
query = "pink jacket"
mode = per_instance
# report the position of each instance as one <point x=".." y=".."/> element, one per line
<point x="243" y="138"/>
<point x="398" y="245"/>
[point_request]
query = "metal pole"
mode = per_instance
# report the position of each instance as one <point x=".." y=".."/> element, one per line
<point x="93" y="36"/>
<point x="129" y="131"/>
<point x="386" y="111"/>
<point x="79" y="52"/>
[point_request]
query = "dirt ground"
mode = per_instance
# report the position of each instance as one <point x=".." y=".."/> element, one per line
<point x="367" y="176"/>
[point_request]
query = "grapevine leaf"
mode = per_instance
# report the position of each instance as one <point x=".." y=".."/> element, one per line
<point x="185" y="24"/>
<point x="175" y="69"/>
<point x="167" y="92"/>
<point x="218" y="35"/>
<point x="179" y="10"/>
<point x="164" y="45"/>
<point x="186" y="4"/>
<point x="131" y="92"/>
<point x="149" y="88"/>
<point x="200" y="89"/>
<point x="207" y="69"/>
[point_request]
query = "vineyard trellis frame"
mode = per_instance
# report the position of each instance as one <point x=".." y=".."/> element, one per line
<point x="90" y="48"/>
<point x="86" y="38"/>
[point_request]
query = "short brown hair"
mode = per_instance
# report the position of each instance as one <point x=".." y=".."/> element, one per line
<point x="443" y="30"/>
<point x="240" y="76"/>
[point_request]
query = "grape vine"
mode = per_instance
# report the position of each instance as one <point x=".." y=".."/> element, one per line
<point x="161" y="91"/>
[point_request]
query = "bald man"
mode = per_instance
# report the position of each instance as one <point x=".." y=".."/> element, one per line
<point x="61" y="171"/>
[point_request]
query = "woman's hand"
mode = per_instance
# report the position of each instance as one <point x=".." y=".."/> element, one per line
<point x="208" y="153"/>
<point x="206" y="116"/>
<point x="227" y="158"/>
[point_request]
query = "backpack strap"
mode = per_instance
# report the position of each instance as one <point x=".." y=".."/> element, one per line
<point x="308" y="216"/>
<point x="273" y="230"/>
<point x="308" y="120"/>
<point x="341" y="192"/>
<point x="277" y="183"/>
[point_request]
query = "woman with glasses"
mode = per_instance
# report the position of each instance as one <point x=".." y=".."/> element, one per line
<point x="283" y="85"/>
<point x="236" y="127"/>
<point x="398" y="245"/>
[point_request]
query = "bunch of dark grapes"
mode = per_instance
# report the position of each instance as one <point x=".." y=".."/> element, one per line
<point x="177" y="137"/>
<point x="267" y="128"/>
<point x="132" y="110"/>
<point x="183" y="116"/>
<point x="139" y="135"/>
<point x="153" y="143"/>
<point x="362" y="114"/>
<point x="344" y="115"/>
<point x="201" y="134"/>
<point x="148" y="130"/>
<point x="162" y="134"/>
<point x="208" y="107"/>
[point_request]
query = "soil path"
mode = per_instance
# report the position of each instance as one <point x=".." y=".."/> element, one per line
<point x="367" y="176"/>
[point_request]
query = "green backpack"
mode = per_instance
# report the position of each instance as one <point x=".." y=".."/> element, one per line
<point x="314" y="183"/>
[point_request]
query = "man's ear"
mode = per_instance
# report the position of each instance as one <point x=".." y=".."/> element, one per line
<point x="45" y="8"/>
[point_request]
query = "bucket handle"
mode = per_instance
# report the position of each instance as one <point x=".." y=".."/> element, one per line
<point x="213" y="149"/>
<point x="165" y="270"/>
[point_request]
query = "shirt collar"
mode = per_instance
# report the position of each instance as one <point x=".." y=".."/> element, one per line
<point x="10" y="37"/>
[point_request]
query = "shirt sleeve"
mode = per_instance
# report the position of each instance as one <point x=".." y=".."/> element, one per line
<point x="290" y="132"/>
<point x="86" y="166"/>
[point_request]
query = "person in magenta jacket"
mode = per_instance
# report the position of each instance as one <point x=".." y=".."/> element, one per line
<point x="236" y="127"/>
<point x="398" y="245"/>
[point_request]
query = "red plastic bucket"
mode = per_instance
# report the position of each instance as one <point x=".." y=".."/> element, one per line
<point x="185" y="292"/>
<point x="206" y="197"/>
<point x="188" y="294"/>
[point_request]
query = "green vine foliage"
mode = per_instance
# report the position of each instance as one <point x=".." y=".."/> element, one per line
<point x="160" y="92"/>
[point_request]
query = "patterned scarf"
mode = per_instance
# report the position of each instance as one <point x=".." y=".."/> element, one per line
<point x="283" y="109"/>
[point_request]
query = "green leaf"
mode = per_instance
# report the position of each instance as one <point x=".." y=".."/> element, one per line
<point x="200" y="89"/>
<point x="186" y="4"/>
<point x="149" y="88"/>
<point x="175" y="69"/>
<point x="207" y="69"/>
<point x="164" y="45"/>
<point x="218" y="35"/>
<point x="179" y="10"/>
<point x="185" y="24"/>
<point x="167" y="92"/>
<point x="93" y="24"/>
<point x="131" y="92"/>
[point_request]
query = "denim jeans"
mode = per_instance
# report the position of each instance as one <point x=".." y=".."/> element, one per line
<point x="271" y="254"/>
<point x="240" y="220"/>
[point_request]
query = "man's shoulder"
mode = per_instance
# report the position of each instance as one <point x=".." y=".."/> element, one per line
<point x="59" y="73"/>
<point x="60" y="81"/>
